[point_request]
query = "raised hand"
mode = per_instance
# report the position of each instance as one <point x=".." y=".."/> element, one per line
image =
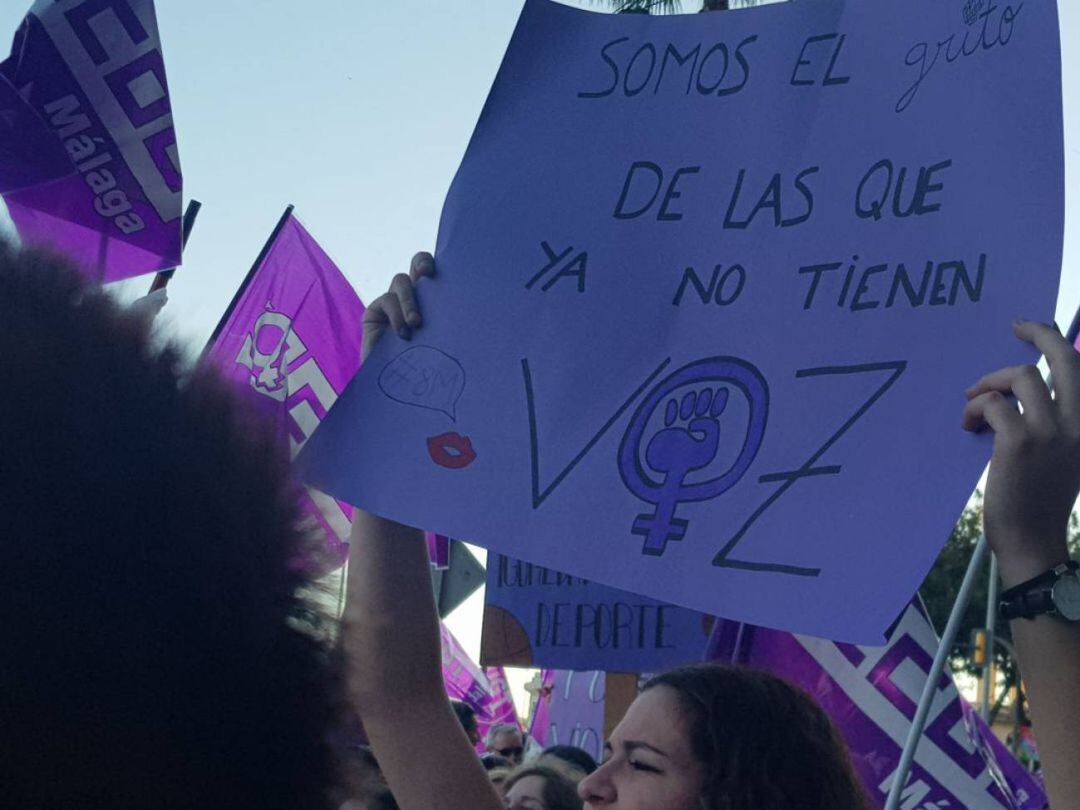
<point x="397" y="309"/>
<point x="1035" y="472"/>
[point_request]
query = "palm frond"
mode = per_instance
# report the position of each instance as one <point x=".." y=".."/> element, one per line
<point x="647" y="6"/>
<point x="668" y="6"/>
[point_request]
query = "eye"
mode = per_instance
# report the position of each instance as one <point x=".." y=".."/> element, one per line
<point x="641" y="766"/>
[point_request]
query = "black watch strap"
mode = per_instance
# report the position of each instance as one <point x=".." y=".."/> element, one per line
<point x="1034" y="597"/>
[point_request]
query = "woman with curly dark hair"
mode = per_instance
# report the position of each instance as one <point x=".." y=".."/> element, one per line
<point x="153" y="651"/>
<point x="724" y="738"/>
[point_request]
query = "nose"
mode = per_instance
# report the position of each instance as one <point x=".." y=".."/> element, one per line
<point x="597" y="788"/>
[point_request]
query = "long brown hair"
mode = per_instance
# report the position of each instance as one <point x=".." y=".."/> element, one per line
<point x="765" y="744"/>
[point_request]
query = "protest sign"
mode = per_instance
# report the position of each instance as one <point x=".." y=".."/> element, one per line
<point x="291" y="341"/>
<point x="570" y="711"/>
<point x="871" y="695"/>
<point x="91" y="82"/>
<point x="709" y="290"/>
<point x="537" y="617"/>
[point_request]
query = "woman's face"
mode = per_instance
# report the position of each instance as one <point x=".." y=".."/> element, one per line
<point x="648" y="763"/>
<point x="526" y="794"/>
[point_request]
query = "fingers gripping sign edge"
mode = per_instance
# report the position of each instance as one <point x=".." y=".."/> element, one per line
<point x="1025" y="383"/>
<point x="423" y="264"/>
<point x="1063" y="360"/>
<point x="396" y="308"/>
<point x="402" y="288"/>
<point x="991" y="409"/>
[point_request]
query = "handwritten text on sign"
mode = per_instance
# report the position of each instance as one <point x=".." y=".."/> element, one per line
<point x="537" y="617"/>
<point x="712" y="286"/>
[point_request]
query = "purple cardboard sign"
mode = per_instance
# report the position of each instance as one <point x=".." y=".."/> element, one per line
<point x="570" y="711"/>
<point x="92" y="72"/>
<point x="709" y="290"/>
<point x="871" y="694"/>
<point x="537" y="617"/>
<point x="291" y="342"/>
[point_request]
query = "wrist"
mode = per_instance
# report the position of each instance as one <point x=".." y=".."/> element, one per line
<point x="1019" y="562"/>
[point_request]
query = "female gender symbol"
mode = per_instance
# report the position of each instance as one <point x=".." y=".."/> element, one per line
<point x="678" y="450"/>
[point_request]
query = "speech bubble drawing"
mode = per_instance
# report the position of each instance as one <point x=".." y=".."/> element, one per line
<point x="426" y="378"/>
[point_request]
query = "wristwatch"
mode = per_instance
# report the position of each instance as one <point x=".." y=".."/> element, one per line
<point x="1057" y="592"/>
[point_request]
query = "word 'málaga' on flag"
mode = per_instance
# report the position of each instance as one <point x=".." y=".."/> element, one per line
<point x="872" y="693"/>
<point x="715" y="350"/>
<point x="537" y="617"/>
<point x="291" y="341"/>
<point x="94" y="171"/>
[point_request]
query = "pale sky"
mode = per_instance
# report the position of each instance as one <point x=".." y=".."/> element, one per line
<point x="359" y="113"/>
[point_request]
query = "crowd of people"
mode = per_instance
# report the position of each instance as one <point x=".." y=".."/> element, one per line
<point x="545" y="779"/>
<point x="159" y="649"/>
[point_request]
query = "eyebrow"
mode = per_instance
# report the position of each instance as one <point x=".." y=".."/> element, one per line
<point x="634" y="745"/>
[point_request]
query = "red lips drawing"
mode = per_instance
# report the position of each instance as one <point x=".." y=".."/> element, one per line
<point x="451" y="450"/>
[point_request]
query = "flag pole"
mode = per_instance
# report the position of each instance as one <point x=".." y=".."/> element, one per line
<point x="161" y="280"/>
<point x="991" y="630"/>
<point x="962" y="600"/>
<point x="918" y="724"/>
<point x="251" y="274"/>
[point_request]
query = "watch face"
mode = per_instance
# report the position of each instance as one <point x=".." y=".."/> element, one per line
<point x="1066" y="595"/>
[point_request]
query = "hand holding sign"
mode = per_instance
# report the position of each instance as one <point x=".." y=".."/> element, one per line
<point x="1035" y="472"/>
<point x="397" y="309"/>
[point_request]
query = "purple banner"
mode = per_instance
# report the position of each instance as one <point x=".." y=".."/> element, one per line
<point x="30" y="152"/>
<point x="487" y="692"/>
<point x="570" y="711"/>
<point x="292" y="342"/>
<point x="438" y="550"/>
<point x="91" y="73"/>
<point x="464" y="680"/>
<point x="872" y="693"/>
<point x="537" y="617"/>
<point x="499" y="708"/>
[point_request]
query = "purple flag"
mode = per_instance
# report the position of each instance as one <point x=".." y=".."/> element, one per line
<point x="500" y="704"/>
<point x="91" y="79"/>
<point x="291" y="340"/>
<point x="486" y="691"/>
<point x="438" y="550"/>
<point x="464" y="680"/>
<point x="872" y="693"/>
<point x="30" y="152"/>
<point x="570" y="710"/>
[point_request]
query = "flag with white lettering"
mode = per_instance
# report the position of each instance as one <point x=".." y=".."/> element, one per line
<point x="464" y="680"/>
<point x="96" y="174"/>
<point x="499" y="708"/>
<point x="291" y="341"/>
<point x="872" y="693"/>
